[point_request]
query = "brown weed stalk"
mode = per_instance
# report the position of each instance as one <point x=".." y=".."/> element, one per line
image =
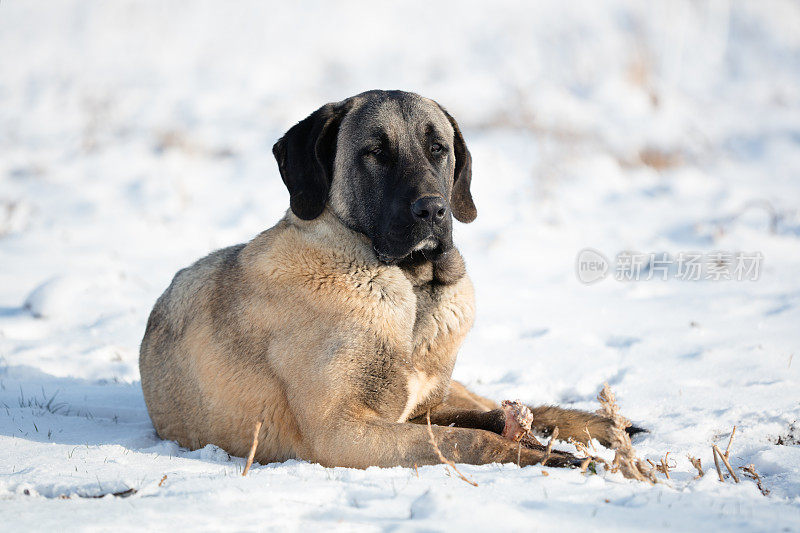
<point x="442" y="458"/>
<point x="625" y="459"/>
<point x="252" y="454"/>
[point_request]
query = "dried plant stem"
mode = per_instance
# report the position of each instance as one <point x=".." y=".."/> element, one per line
<point x="730" y="440"/>
<point x="750" y="471"/>
<point x="252" y="454"/>
<point x="698" y="465"/>
<point x="716" y="463"/>
<point x="726" y="462"/>
<point x="581" y="447"/>
<point x="662" y="465"/>
<point x="665" y="465"/>
<point x="625" y="459"/>
<point x="589" y="439"/>
<point x="589" y="458"/>
<point x="549" y="448"/>
<point x="725" y="458"/>
<point x="442" y="458"/>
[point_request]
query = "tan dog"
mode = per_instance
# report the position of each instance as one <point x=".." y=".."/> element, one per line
<point x="338" y="328"/>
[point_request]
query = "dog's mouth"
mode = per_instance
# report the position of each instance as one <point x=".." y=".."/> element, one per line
<point x="426" y="244"/>
<point x="386" y="258"/>
<point x="430" y="247"/>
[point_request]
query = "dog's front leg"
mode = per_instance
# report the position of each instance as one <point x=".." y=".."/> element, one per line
<point x="502" y="421"/>
<point x="572" y="424"/>
<point x="360" y="444"/>
<point x="464" y="408"/>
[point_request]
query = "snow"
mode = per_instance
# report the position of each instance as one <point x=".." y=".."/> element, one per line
<point x="135" y="138"/>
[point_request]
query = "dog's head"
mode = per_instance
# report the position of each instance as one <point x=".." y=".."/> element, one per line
<point x="391" y="165"/>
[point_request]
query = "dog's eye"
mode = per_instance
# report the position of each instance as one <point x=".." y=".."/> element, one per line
<point x="436" y="148"/>
<point x="376" y="151"/>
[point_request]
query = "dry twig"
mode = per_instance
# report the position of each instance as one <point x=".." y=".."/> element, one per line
<point x="589" y="458"/>
<point x="750" y="471"/>
<point x="726" y="462"/>
<point x="698" y="465"/>
<point x="730" y="440"/>
<point x="725" y="458"/>
<point x="663" y="465"/>
<point x="252" y="454"/>
<point x="716" y="463"/>
<point x="589" y="438"/>
<point x="625" y="459"/>
<point x="442" y="458"/>
<point x="581" y="447"/>
<point x="549" y="448"/>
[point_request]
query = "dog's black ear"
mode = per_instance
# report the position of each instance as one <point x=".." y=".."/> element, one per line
<point x="461" y="200"/>
<point x="305" y="157"/>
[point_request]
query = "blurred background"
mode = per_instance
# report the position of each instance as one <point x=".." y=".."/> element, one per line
<point x="136" y="136"/>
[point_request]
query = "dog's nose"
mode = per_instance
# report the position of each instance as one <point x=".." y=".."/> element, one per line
<point x="430" y="208"/>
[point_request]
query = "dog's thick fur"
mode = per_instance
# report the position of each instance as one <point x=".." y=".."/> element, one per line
<point x="339" y="326"/>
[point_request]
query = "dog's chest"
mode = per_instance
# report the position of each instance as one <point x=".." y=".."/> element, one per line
<point x="412" y="373"/>
<point x="443" y="316"/>
<point x="420" y="388"/>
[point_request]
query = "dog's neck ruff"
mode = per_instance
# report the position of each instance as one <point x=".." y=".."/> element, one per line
<point x="329" y="230"/>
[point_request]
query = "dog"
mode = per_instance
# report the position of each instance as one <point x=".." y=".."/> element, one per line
<point x="338" y="328"/>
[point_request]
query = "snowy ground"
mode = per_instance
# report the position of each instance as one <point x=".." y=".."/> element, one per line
<point x="135" y="137"/>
